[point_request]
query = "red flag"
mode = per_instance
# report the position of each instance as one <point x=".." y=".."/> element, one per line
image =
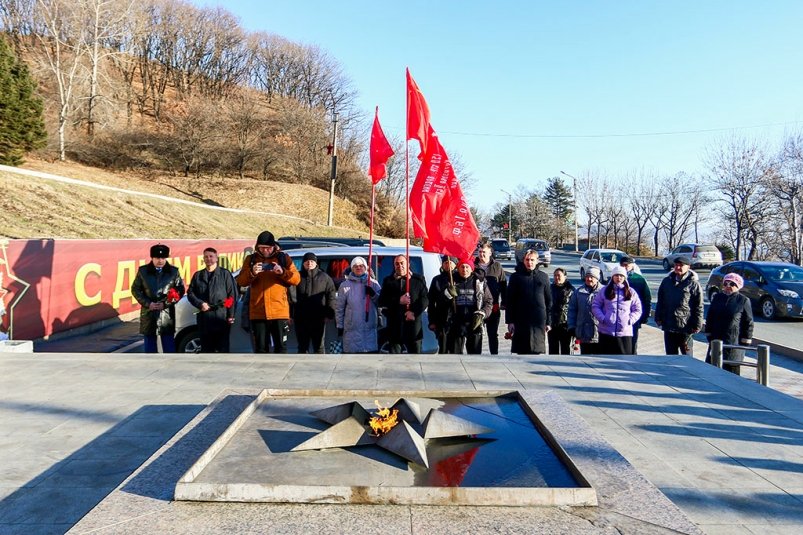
<point x="440" y="212"/>
<point x="417" y="115"/>
<point x="381" y="151"/>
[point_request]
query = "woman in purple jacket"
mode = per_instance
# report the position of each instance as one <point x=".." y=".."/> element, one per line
<point x="616" y="309"/>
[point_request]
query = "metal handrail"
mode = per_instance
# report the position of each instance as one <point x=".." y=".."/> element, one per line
<point x="762" y="364"/>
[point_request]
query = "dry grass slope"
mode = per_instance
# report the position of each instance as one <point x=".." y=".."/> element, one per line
<point x="40" y="208"/>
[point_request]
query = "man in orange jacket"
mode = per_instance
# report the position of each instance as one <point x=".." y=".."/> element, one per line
<point x="269" y="272"/>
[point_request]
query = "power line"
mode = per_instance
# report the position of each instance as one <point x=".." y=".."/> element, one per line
<point x="631" y="134"/>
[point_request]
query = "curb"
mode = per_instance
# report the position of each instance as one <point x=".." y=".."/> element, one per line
<point x="790" y="352"/>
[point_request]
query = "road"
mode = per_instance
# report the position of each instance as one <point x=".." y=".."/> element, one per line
<point x="786" y="332"/>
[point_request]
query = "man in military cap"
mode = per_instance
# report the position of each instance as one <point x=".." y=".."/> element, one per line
<point x="269" y="272"/>
<point x="157" y="288"/>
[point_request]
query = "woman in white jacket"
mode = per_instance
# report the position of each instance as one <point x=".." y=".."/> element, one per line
<point x="355" y="310"/>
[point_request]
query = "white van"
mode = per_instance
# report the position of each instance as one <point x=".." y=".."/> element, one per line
<point x="334" y="261"/>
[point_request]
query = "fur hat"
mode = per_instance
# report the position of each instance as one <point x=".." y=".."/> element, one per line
<point x="734" y="278"/>
<point x="619" y="270"/>
<point x="160" y="251"/>
<point x="593" y="272"/>
<point x="266" y="238"/>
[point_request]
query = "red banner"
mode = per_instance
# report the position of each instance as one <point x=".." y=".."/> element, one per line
<point x="380" y="151"/>
<point x="49" y="286"/>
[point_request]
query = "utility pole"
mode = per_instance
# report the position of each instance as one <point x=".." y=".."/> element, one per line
<point x="574" y="195"/>
<point x="334" y="169"/>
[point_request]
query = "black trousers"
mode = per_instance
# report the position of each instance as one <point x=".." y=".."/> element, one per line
<point x="267" y="332"/>
<point x="678" y="343"/>
<point x="215" y="340"/>
<point x="310" y="332"/>
<point x="590" y="349"/>
<point x="412" y="346"/>
<point x="615" y="345"/>
<point x="492" y="326"/>
<point x="560" y="341"/>
<point x="461" y="337"/>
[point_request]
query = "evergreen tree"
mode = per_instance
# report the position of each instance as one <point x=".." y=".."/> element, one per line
<point x="560" y="200"/>
<point x="22" y="126"/>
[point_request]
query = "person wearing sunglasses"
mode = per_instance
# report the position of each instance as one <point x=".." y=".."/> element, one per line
<point x="730" y="319"/>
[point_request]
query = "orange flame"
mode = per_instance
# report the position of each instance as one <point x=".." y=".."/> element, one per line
<point x="384" y="421"/>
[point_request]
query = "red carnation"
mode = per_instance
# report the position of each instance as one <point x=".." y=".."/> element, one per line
<point x="172" y="296"/>
<point x="228" y="303"/>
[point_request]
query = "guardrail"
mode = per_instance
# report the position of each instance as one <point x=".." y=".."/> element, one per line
<point x="762" y="364"/>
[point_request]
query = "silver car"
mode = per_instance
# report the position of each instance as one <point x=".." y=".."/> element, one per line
<point x="544" y="252"/>
<point x="604" y="260"/>
<point x="334" y="261"/>
<point x="699" y="256"/>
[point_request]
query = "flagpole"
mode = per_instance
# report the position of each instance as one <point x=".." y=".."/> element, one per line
<point x="370" y="247"/>
<point x="407" y="186"/>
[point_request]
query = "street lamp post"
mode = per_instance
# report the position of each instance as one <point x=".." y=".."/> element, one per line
<point x="509" y="217"/>
<point x="574" y="195"/>
<point x="333" y="177"/>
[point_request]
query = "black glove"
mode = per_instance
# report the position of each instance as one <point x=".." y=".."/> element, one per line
<point x="370" y="292"/>
<point x="340" y="333"/>
<point x="477" y="321"/>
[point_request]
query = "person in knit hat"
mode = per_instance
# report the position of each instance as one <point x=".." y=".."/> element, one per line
<point x="581" y="321"/>
<point x="268" y="273"/>
<point x="472" y="303"/>
<point x="617" y="308"/>
<point x="314" y="305"/>
<point x="730" y="319"/>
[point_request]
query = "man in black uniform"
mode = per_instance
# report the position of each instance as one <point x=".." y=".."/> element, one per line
<point x="157" y="288"/>
<point x="213" y="292"/>
<point x="404" y="307"/>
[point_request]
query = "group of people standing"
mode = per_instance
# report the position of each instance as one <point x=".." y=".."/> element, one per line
<point x="465" y="300"/>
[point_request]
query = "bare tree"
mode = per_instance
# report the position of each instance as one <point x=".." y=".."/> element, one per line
<point x="105" y="26"/>
<point x="738" y="168"/>
<point x="60" y="30"/>
<point x="681" y="201"/>
<point x="786" y="186"/>
<point x="641" y="196"/>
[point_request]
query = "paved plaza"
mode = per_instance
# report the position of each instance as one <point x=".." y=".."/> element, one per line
<point x="80" y="431"/>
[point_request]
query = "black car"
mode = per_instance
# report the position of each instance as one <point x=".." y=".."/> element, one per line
<point x="774" y="288"/>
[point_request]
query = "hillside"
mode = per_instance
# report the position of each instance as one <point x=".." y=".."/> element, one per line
<point x="33" y="207"/>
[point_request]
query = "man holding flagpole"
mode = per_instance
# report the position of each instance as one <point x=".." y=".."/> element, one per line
<point x="404" y="298"/>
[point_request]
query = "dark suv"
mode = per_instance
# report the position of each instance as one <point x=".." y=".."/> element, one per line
<point x="774" y="288"/>
<point x="502" y="249"/>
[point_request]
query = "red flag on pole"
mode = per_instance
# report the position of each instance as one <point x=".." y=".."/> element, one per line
<point x="439" y="209"/>
<point x="417" y="115"/>
<point x="381" y="151"/>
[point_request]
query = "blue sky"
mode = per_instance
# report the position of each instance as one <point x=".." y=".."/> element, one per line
<point x="522" y="90"/>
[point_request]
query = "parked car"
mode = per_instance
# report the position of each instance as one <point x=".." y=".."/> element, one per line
<point x="603" y="259"/>
<point x="327" y="241"/>
<point x="544" y="252"/>
<point x="502" y="249"/>
<point x="774" y="288"/>
<point x="699" y="256"/>
<point x="335" y="261"/>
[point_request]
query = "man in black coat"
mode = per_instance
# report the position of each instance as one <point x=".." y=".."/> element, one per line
<point x="403" y="308"/>
<point x="314" y="305"/>
<point x="529" y="299"/>
<point x="213" y="292"/>
<point x="441" y="301"/>
<point x="679" y="308"/>
<point x="496" y="280"/>
<point x="157" y="287"/>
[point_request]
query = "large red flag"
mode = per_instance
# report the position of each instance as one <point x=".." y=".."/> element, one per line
<point x="417" y="115"/>
<point x="381" y="151"/>
<point x="439" y="210"/>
